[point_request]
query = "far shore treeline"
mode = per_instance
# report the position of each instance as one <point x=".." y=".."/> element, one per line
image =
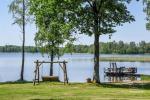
<point x="106" y="48"/>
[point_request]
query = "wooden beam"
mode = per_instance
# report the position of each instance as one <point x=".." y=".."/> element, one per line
<point x="61" y="66"/>
<point x="51" y="62"/>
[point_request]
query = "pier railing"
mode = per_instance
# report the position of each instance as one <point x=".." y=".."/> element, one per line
<point x="121" y="70"/>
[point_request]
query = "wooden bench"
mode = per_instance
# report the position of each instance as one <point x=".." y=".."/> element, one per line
<point x="50" y="78"/>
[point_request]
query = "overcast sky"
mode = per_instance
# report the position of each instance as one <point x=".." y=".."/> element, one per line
<point x="136" y="31"/>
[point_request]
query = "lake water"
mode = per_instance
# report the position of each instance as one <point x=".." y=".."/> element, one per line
<point x="79" y="66"/>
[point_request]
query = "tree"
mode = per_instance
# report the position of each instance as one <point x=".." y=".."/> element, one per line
<point x="18" y="8"/>
<point x="147" y="11"/>
<point x="96" y="17"/>
<point x="142" y="47"/>
<point x="132" y="49"/>
<point x="53" y="29"/>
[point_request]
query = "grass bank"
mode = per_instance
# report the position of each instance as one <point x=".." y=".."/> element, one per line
<point x="58" y="91"/>
<point x="145" y="77"/>
<point x="126" y="59"/>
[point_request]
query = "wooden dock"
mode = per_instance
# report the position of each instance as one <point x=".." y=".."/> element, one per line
<point x="113" y="70"/>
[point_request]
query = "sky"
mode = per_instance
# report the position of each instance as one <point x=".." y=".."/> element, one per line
<point x="136" y="31"/>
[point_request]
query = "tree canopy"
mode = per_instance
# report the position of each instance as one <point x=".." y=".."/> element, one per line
<point x="53" y="29"/>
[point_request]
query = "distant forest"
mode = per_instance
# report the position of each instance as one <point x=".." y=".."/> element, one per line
<point x="106" y="48"/>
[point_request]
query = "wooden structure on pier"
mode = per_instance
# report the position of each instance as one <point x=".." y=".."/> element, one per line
<point x="114" y="79"/>
<point x="38" y="63"/>
<point x="113" y="70"/>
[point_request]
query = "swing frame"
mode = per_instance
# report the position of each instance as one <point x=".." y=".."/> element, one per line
<point x="38" y="64"/>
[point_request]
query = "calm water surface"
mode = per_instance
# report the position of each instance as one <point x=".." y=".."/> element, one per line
<point x="80" y="66"/>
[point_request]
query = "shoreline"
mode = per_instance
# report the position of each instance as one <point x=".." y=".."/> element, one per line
<point x="126" y="59"/>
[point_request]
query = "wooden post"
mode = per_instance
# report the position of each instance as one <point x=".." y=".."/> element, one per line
<point x="35" y="74"/>
<point x="35" y="77"/>
<point x="113" y="67"/>
<point x="38" y="71"/>
<point x="65" y="73"/>
<point x="110" y="65"/>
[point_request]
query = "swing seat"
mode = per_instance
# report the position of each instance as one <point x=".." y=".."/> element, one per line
<point x="50" y="78"/>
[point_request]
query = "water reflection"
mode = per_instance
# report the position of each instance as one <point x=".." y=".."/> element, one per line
<point x="114" y="79"/>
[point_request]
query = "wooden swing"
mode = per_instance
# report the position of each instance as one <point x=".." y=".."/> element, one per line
<point x="38" y="64"/>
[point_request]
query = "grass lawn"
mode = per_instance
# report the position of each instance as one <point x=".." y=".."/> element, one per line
<point x="145" y="77"/>
<point x="74" y="91"/>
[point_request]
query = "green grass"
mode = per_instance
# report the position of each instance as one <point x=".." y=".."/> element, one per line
<point x="75" y="91"/>
<point x="145" y="77"/>
<point x="128" y="59"/>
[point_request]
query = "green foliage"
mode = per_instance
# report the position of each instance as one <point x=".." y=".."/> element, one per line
<point x="16" y="8"/>
<point x="125" y="48"/>
<point x="113" y="47"/>
<point x="106" y="48"/>
<point x="145" y="77"/>
<point x="13" y="48"/>
<point x="147" y="11"/>
<point x="53" y="29"/>
<point x="97" y="15"/>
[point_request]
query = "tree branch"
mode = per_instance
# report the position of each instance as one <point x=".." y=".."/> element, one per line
<point x="90" y="3"/>
<point x="99" y="7"/>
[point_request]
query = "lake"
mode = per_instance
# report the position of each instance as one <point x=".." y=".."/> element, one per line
<point x="79" y="66"/>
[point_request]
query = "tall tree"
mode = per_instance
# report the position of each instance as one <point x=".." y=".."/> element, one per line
<point x="53" y="29"/>
<point x="96" y="17"/>
<point x="18" y="8"/>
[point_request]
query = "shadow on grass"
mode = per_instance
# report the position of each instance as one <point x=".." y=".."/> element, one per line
<point x="46" y="99"/>
<point x="16" y="82"/>
<point x="145" y="86"/>
<point x="66" y="98"/>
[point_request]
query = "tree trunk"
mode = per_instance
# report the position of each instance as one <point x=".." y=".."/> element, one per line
<point x="96" y="77"/>
<point x="51" y="65"/>
<point x="23" y="44"/>
<point x="52" y="59"/>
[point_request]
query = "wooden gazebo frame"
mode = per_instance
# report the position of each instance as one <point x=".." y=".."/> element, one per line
<point x="38" y="63"/>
